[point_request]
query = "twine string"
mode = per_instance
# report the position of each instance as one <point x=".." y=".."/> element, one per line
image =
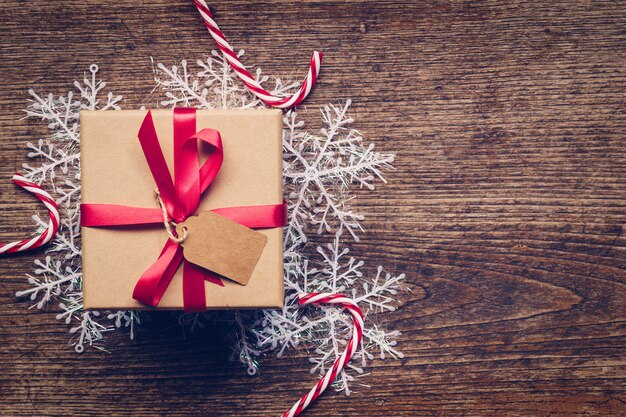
<point x="170" y="225"/>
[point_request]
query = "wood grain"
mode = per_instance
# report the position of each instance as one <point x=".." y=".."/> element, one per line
<point x="506" y="209"/>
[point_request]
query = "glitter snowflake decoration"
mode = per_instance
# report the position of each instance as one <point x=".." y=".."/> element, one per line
<point x="56" y="164"/>
<point x="320" y="169"/>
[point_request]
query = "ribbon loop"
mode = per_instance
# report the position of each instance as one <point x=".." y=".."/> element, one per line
<point x="210" y="168"/>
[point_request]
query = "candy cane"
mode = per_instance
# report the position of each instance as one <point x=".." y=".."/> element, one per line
<point x="244" y="75"/>
<point x="53" y="223"/>
<point x="340" y="362"/>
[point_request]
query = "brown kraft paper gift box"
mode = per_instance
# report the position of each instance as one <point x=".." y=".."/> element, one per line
<point x="114" y="171"/>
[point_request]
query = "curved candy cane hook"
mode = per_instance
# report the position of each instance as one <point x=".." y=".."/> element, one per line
<point x="244" y="75"/>
<point x="53" y="223"/>
<point x="340" y="362"/>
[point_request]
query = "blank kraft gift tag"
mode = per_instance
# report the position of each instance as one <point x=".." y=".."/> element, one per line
<point x="221" y="245"/>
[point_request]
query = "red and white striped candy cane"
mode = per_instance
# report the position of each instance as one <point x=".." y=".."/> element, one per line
<point x="53" y="223"/>
<point x="340" y="362"/>
<point x="244" y="75"/>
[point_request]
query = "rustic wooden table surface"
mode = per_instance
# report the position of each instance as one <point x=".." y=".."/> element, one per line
<point x="506" y="209"/>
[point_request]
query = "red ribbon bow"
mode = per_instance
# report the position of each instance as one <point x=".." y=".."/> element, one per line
<point x="181" y="199"/>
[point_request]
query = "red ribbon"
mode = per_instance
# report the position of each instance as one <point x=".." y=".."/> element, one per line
<point x="181" y="199"/>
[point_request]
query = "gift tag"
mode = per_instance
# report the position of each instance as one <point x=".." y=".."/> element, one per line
<point x="221" y="245"/>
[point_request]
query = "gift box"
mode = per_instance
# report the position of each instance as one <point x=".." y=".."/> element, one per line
<point x="115" y="175"/>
